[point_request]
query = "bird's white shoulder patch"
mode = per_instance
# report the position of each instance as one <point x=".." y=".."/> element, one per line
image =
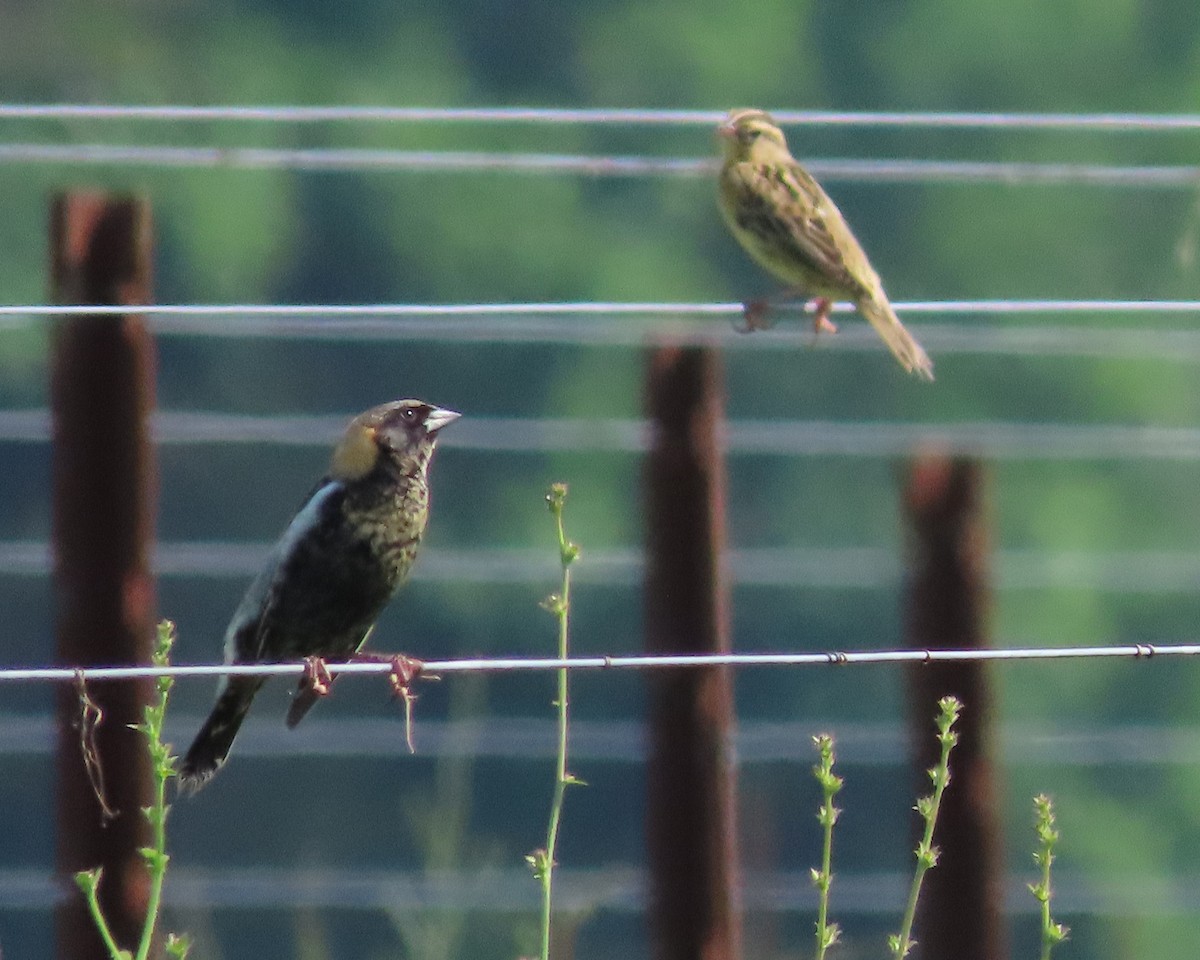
<point x="258" y="594"/>
<point x="308" y="517"/>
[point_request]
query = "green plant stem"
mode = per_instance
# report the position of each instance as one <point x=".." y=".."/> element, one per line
<point x="89" y="882"/>
<point x="827" y="933"/>
<point x="561" y="607"/>
<point x="560" y="782"/>
<point x="928" y="807"/>
<point x="156" y="863"/>
<point x="1052" y="933"/>
<point x="1048" y="941"/>
<point x="156" y="855"/>
<point x="823" y="894"/>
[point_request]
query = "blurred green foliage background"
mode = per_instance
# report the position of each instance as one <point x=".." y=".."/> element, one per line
<point x="1130" y="817"/>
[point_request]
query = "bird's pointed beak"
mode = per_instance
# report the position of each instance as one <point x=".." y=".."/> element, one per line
<point x="727" y="131"/>
<point x="439" y="418"/>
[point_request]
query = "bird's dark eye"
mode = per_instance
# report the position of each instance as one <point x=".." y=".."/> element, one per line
<point x="409" y="414"/>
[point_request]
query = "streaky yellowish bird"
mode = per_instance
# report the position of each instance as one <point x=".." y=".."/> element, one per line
<point x="790" y="227"/>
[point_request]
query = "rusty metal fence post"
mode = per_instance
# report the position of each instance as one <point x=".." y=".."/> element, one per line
<point x="961" y="913"/>
<point x="690" y="820"/>
<point x="102" y="393"/>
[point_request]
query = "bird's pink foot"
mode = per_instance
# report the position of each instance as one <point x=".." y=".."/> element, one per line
<point x="404" y="670"/>
<point x="755" y="315"/>
<point x="316" y="679"/>
<point x="821" y="322"/>
<point x="314" y="684"/>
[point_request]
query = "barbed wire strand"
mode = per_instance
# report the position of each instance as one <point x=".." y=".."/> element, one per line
<point x="287" y="113"/>
<point x="639" y="662"/>
<point x="316" y="159"/>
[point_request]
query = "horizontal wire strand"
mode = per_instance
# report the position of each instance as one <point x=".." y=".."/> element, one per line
<point x="998" y="306"/>
<point x="625" y="325"/>
<point x="880" y="744"/>
<point x="630" y="324"/>
<point x="994" y="439"/>
<point x="615" y="889"/>
<point x="1155" y="572"/>
<point x="998" y="440"/>
<point x="1107" y="122"/>
<point x="638" y="662"/>
<point x="317" y="159"/>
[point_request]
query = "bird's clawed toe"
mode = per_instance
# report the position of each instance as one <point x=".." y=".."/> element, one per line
<point x="317" y="678"/>
<point x="404" y="671"/>
<point x="755" y="316"/>
<point x="314" y="684"/>
<point x="821" y="322"/>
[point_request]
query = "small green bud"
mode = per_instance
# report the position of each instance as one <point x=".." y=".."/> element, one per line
<point x="556" y="496"/>
<point x="88" y="880"/>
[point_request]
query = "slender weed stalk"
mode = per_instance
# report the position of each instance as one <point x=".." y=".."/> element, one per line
<point x="542" y="861"/>
<point x="155" y="856"/>
<point x="827" y="933"/>
<point x="1052" y="933"/>
<point x="902" y="943"/>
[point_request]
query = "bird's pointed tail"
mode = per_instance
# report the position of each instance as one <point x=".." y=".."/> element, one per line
<point x="903" y="345"/>
<point x="211" y="746"/>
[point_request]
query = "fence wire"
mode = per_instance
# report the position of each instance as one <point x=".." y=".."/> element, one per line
<point x="586" y="308"/>
<point x="632" y="324"/>
<point x="291" y="113"/>
<point x="639" y="662"/>
<point x="329" y="159"/>
<point x="878" y="745"/>
<point x="614" y="889"/>
<point x="995" y="440"/>
<point x="1129" y="572"/>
